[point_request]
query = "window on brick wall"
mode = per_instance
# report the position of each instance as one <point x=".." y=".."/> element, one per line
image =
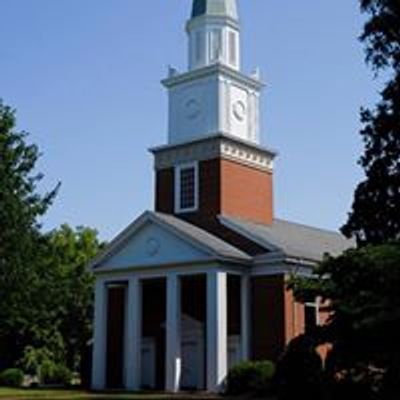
<point x="311" y="310"/>
<point x="186" y="188"/>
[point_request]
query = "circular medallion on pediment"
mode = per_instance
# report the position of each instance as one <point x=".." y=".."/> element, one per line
<point x="152" y="246"/>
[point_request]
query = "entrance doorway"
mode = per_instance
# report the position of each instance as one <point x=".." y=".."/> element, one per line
<point x="153" y="334"/>
<point x="116" y="297"/>
<point x="193" y="332"/>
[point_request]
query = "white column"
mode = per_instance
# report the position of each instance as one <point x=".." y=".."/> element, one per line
<point x="173" y="335"/>
<point x="217" y="330"/>
<point x="133" y="336"/>
<point x="100" y="336"/>
<point x="245" y="317"/>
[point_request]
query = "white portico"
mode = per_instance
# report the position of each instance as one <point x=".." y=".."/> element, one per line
<point x="163" y="248"/>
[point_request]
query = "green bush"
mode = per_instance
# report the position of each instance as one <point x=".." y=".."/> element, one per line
<point x="55" y="374"/>
<point x="250" y="377"/>
<point x="41" y="362"/>
<point x="62" y="375"/>
<point x="12" y="378"/>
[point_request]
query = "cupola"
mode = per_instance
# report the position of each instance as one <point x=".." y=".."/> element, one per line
<point x="214" y="34"/>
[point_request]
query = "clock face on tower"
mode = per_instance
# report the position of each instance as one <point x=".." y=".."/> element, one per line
<point x="239" y="110"/>
<point x="192" y="109"/>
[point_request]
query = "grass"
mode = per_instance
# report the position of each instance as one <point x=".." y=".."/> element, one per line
<point x="45" y="394"/>
<point x="42" y="394"/>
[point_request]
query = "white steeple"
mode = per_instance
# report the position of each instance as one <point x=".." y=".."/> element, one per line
<point x="214" y="97"/>
<point x="214" y="34"/>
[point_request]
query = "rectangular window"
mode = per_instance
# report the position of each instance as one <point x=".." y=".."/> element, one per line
<point x="311" y="311"/>
<point x="232" y="48"/>
<point x="186" y="187"/>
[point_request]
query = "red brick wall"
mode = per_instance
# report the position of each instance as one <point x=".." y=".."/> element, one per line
<point x="268" y="317"/>
<point x="294" y="316"/>
<point x="164" y="191"/>
<point x="246" y="192"/>
<point x="209" y="181"/>
<point x="276" y="317"/>
<point x="226" y="188"/>
<point x="210" y="188"/>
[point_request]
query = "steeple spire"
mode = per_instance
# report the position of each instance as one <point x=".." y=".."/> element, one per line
<point x="219" y="8"/>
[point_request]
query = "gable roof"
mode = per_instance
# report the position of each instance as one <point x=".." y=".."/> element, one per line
<point x="215" y="247"/>
<point x="292" y="239"/>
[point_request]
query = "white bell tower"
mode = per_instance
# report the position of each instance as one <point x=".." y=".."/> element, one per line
<point x="214" y="97"/>
<point x="213" y="163"/>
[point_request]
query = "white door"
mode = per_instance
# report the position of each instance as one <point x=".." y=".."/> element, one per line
<point x="148" y="363"/>
<point x="191" y="361"/>
<point x="234" y="356"/>
<point x="192" y="351"/>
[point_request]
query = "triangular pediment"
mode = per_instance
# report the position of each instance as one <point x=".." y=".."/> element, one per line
<point x="150" y="241"/>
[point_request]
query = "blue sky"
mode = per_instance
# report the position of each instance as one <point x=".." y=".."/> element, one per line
<point x="84" y="76"/>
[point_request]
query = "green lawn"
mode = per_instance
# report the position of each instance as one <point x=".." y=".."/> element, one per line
<point x="42" y="394"/>
<point x="39" y="394"/>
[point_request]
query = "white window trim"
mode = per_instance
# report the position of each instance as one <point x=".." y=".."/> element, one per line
<point x="316" y="305"/>
<point x="178" y="169"/>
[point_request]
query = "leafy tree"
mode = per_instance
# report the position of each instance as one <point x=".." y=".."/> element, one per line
<point x="45" y="288"/>
<point x="21" y="207"/>
<point x="63" y="296"/>
<point x="61" y="320"/>
<point x="69" y="253"/>
<point x="362" y="286"/>
<point x="362" y="290"/>
<point x="375" y="218"/>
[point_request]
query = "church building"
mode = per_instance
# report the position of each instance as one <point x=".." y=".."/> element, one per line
<point x="187" y="291"/>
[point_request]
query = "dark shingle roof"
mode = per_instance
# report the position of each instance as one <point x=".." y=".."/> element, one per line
<point x="292" y="239"/>
<point x="210" y="241"/>
<point x="282" y="237"/>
